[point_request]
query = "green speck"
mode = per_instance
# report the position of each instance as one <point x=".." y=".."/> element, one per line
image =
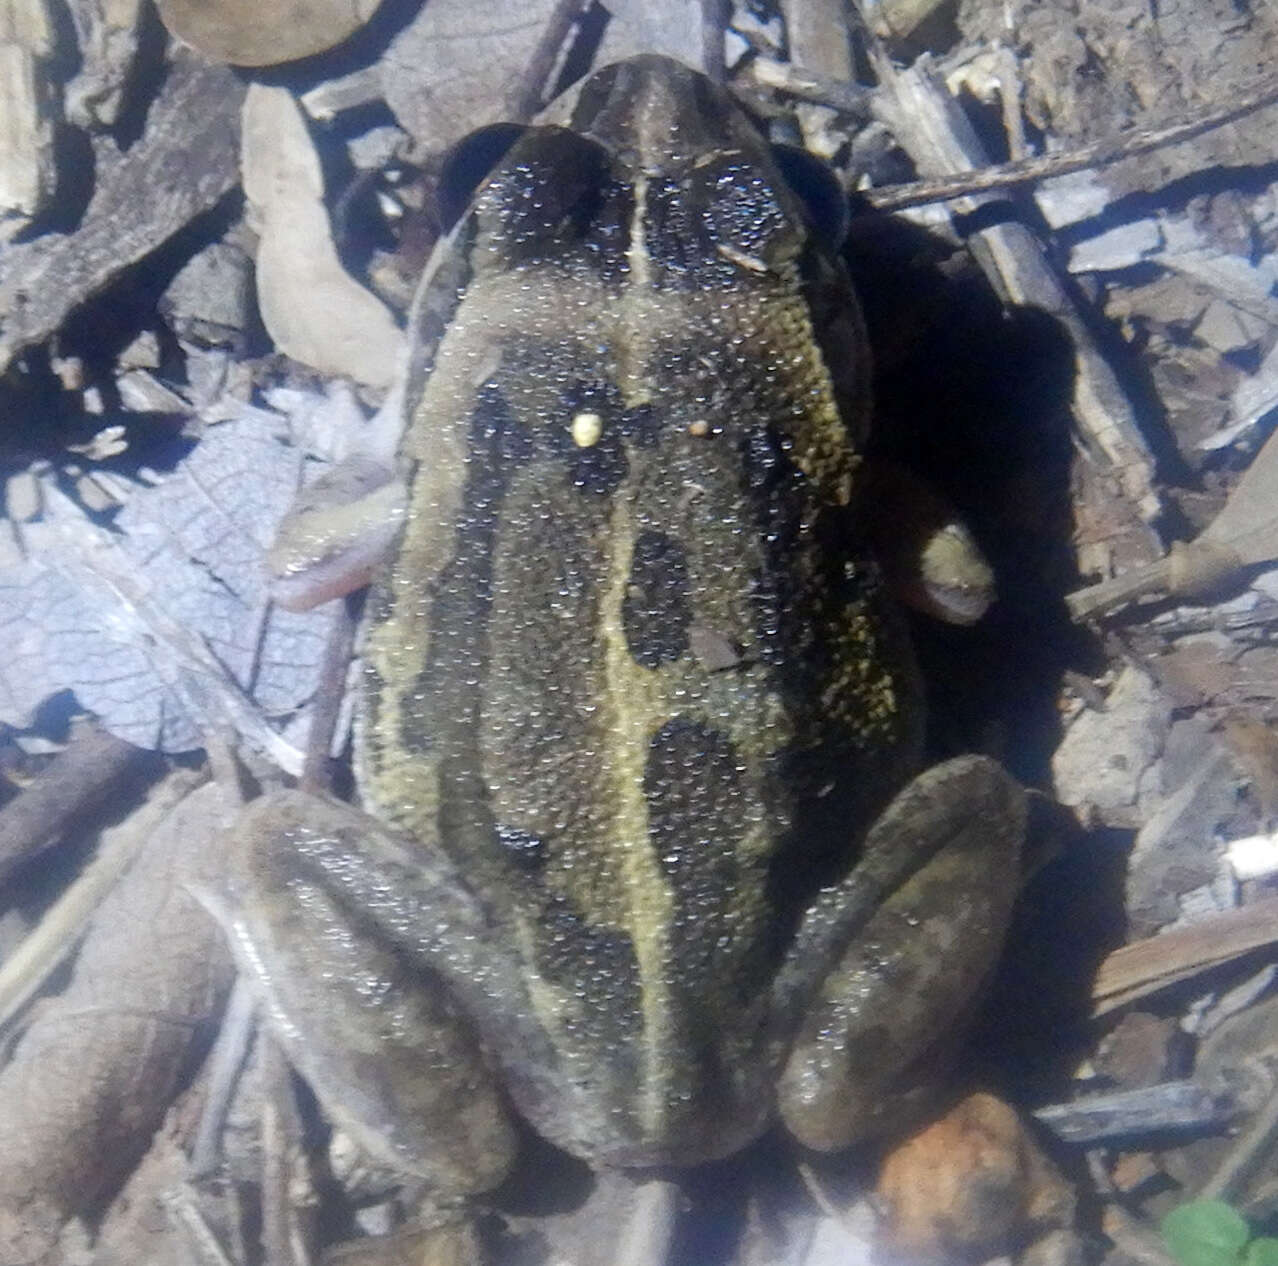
<point x="1262" y="1251"/>
<point x="1206" y="1233"/>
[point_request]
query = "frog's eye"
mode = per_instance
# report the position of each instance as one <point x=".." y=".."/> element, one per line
<point x="819" y="190"/>
<point x="468" y="164"/>
<point x="549" y="195"/>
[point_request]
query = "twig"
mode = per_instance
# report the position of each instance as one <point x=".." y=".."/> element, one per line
<point x="1243" y="535"/>
<point x="183" y="1213"/>
<point x="327" y="702"/>
<point x="1100" y="153"/>
<point x="59" y="931"/>
<point x="649" y="1230"/>
<point x="1253" y="1146"/>
<point x="714" y="22"/>
<point x="938" y="135"/>
<point x="530" y="95"/>
<point x="228" y="1057"/>
<point x="282" y="1237"/>
<point x="1135" y="1239"/>
<point x="810" y="85"/>
<point x="94" y="560"/>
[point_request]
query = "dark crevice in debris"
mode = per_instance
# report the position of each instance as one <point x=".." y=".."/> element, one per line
<point x="98" y="330"/>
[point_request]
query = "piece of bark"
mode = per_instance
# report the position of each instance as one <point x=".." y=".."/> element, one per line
<point x="1149" y="1111"/>
<point x="185" y="162"/>
<point x="932" y="128"/>
<point x="92" y="1076"/>
<point x="1146" y="966"/>
<point x="26" y="118"/>
<point x="107" y="32"/>
<point x="80" y="778"/>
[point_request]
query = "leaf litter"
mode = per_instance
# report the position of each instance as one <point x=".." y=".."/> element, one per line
<point x="1117" y="439"/>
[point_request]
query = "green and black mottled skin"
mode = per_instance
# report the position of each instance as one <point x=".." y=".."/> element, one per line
<point x="533" y="664"/>
<point x="631" y="695"/>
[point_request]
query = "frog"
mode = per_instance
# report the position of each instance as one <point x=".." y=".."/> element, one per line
<point x="648" y="857"/>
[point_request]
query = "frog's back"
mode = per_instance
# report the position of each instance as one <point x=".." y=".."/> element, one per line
<point x="620" y="669"/>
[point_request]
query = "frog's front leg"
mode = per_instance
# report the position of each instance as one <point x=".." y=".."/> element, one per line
<point x="378" y="1036"/>
<point x="338" y="530"/>
<point x="885" y="996"/>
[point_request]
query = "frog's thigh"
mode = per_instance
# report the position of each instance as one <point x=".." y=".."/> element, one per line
<point x="386" y="1052"/>
<point x="888" y="1013"/>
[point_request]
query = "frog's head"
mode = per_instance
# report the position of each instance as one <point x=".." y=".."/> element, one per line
<point x="658" y="116"/>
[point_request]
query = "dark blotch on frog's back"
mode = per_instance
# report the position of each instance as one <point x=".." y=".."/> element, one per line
<point x="697" y="818"/>
<point x="447" y="691"/>
<point x="597" y="967"/>
<point x="656" y="612"/>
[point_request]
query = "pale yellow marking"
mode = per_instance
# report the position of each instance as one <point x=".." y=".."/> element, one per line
<point x="752" y="263"/>
<point x="587" y="429"/>
<point x="633" y="350"/>
<point x="699" y="427"/>
<point x="638" y="704"/>
<point x="637" y="251"/>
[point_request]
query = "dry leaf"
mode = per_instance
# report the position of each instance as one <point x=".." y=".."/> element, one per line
<point x="450" y="70"/>
<point x="254" y="33"/>
<point x="144" y="624"/>
<point x="313" y="309"/>
<point x="93" y="1074"/>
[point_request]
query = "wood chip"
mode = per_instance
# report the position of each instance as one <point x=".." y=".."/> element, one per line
<point x="1144" y="967"/>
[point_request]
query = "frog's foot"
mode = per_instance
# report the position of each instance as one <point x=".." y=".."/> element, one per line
<point x="384" y="1048"/>
<point x="930" y="558"/>
<point x="886" y="1015"/>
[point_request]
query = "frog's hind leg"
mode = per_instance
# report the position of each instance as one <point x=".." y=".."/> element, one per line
<point x="891" y="979"/>
<point x="385" y="1049"/>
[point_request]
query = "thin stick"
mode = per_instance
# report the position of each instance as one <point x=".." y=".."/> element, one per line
<point x="530" y="93"/>
<point x="327" y="703"/>
<point x="1097" y="154"/>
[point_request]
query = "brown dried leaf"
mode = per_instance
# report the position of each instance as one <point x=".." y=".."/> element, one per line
<point x="314" y="310"/>
<point x="93" y="1074"/>
<point x="253" y="33"/>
